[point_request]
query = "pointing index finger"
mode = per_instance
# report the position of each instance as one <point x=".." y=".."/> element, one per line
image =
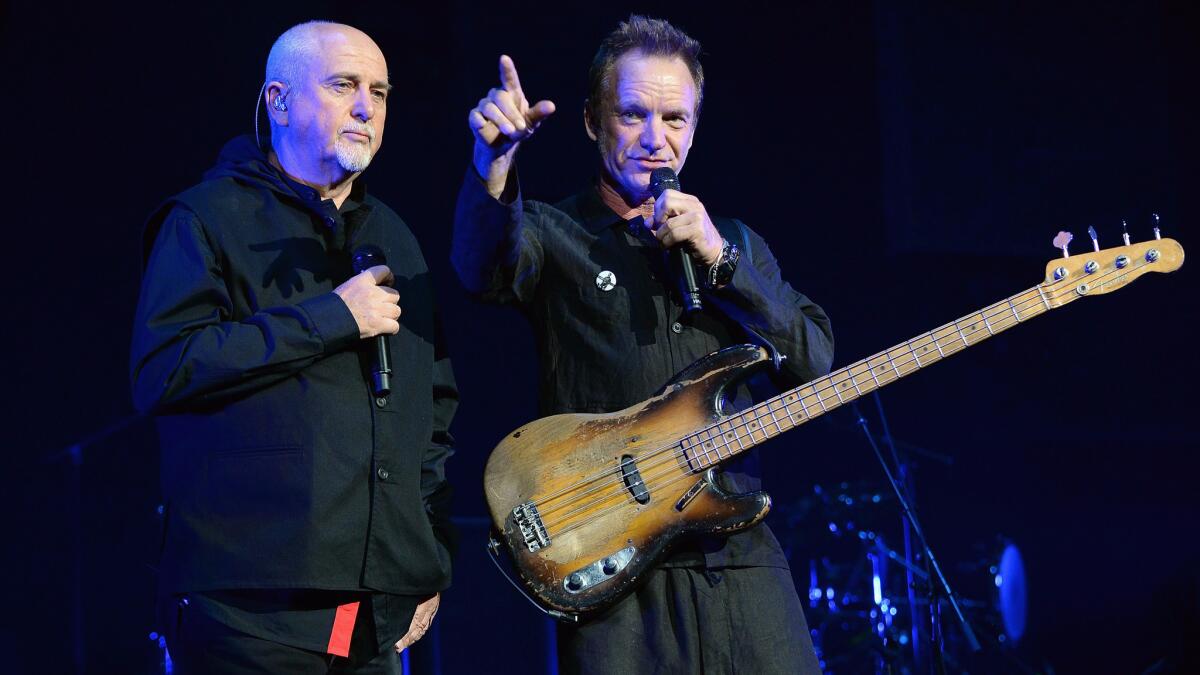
<point x="508" y="74"/>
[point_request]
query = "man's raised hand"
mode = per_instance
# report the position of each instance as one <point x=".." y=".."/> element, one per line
<point x="500" y="122"/>
<point x="375" y="306"/>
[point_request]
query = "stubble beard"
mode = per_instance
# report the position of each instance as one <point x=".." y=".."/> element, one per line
<point x="613" y="174"/>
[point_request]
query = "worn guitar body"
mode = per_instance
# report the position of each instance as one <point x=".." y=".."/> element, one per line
<point x="610" y="500"/>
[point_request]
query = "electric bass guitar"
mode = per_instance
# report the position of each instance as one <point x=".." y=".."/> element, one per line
<point x="584" y="505"/>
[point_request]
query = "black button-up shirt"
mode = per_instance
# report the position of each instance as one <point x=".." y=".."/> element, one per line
<point x="610" y="328"/>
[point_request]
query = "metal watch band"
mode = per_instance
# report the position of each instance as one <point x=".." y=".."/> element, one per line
<point x="721" y="272"/>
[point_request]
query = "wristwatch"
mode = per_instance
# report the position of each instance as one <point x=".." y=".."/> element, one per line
<point x="721" y="272"/>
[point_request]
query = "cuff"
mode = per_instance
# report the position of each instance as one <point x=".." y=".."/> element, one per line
<point x="331" y="321"/>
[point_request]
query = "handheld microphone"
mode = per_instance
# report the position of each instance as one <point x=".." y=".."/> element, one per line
<point x="367" y="256"/>
<point x="661" y="179"/>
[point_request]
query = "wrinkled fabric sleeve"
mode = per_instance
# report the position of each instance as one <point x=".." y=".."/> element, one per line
<point x="435" y="489"/>
<point x="188" y="349"/>
<point x="496" y="249"/>
<point x="758" y="297"/>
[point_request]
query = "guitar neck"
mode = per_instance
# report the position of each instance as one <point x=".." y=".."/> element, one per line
<point x="792" y="408"/>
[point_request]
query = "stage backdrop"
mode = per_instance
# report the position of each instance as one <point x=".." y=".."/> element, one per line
<point x="907" y="163"/>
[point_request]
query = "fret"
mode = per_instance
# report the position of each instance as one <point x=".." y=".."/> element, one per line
<point x="713" y="441"/>
<point x="935" y="339"/>
<point x="773" y="418"/>
<point x="836" y="393"/>
<point x="910" y="351"/>
<point x="817" y="393"/>
<point x="893" y="362"/>
<point x="1014" y="310"/>
<point x="788" y="411"/>
<point x="800" y="398"/>
<point x="1044" y="300"/>
<point x="871" y="369"/>
<point x="688" y="455"/>
<point x="737" y="437"/>
<point x="983" y="315"/>
<point x="753" y="423"/>
<point x="708" y="457"/>
<point x="961" y="336"/>
<point x="854" y="382"/>
<point x="722" y="442"/>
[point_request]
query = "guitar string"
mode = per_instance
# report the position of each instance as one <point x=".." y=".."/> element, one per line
<point x="762" y="410"/>
<point x="819" y="388"/>
<point x="758" y="416"/>
<point x="747" y="419"/>
<point x="741" y="426"/>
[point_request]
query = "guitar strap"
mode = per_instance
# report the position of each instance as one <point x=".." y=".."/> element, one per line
<point x="735" y="232"/>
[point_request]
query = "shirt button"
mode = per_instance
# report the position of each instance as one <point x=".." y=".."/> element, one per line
<point x="677" y="327"/>
<point x="382" y="473"/>
<point x="381" y="402"/>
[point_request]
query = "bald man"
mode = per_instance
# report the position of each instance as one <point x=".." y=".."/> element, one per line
<point x="305" y="523"/>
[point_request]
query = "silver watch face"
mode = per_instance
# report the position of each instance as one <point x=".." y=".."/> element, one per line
<point x="721" y="272"/>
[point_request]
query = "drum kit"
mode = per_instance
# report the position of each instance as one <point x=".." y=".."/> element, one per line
<point x="867" y="596"/>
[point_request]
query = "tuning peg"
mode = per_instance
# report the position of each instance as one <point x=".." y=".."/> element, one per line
<point x="1061" y="240"/>
<point x="1095" y="239"/>
<point x="1125" y="231"/>
<point x="1157" y="235"/>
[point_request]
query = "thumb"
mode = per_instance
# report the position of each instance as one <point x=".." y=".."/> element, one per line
<point x="381" y="274"/>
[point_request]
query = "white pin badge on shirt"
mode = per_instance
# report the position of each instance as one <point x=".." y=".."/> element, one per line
<point x="606" y="280"/>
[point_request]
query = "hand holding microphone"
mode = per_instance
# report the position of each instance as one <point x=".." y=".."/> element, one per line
<point x="376" y="309"/>
<point x="681" y="222"/>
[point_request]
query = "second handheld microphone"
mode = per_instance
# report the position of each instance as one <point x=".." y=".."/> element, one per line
<point x="365" y="257"/>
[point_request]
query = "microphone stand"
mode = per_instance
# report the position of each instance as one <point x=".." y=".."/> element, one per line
<point x="909" y="568"/>
<point x="937" y="580"/>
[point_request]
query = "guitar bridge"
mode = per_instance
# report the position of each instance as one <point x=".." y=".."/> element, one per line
<point x="533" y="531"/>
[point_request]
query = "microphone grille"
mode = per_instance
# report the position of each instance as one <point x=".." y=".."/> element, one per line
<point x="663" y="178"/>
<point x="366" y="256"/>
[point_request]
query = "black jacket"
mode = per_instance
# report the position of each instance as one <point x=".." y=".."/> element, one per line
<point x="601" y="349"/>
<point x="279" y="467"/>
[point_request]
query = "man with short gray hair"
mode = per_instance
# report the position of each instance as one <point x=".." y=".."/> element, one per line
<point x="306" y="523"/>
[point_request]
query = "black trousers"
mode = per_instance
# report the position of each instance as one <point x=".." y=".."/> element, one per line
<point x="693" y="621"/>
<point x="201" y="645"/>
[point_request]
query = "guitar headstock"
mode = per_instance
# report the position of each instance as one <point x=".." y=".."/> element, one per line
<point x="1096" y="272"/>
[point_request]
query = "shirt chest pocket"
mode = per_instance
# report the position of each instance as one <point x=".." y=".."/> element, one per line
<point x="594" y="306"/>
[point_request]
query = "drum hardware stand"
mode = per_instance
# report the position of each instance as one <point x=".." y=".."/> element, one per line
<point x="937" y="579"/>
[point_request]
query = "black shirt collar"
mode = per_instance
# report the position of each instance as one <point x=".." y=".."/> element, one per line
<point x="354" y="200"/>
<point x="594" y="212"/>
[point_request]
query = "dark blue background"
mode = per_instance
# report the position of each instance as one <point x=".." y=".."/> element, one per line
<point x="908" y="164"/>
